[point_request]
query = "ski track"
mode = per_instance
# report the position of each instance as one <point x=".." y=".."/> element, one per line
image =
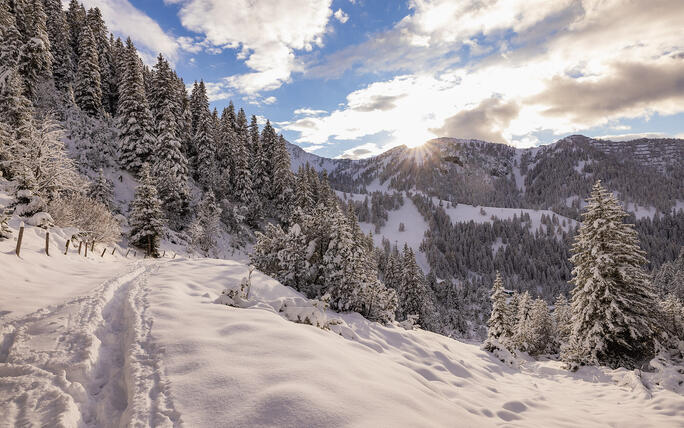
<point x="88" y="362"/>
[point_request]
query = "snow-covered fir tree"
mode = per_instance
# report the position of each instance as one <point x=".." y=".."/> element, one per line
<point x="102" y="190"/>
<point x="5" y="231"/>
<point x="35" y="59"/>
<point x="612" y="302"/>
<point x="101" y="37"/>
<point x="206" y="228"/>
<point x="136" y="127"/>
<point x="498" y="323"/>
<point x="87" y="90"/>
<point x="282" y="182"/>
<point x="203" y="141"/>
<point x="539" y="334"/>
<point x="520" y="339"/>
<point x="243" y="184"/>
<point x="58" y="34"/>
<point x="146" y="217"/>
<point x="562" y="318"/>
<point x="76" y="18"/>
<point x="414" y="296"/>
<point x="672" y="318"/>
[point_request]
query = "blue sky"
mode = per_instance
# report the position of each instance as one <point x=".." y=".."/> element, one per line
<point x="354" y="78"/>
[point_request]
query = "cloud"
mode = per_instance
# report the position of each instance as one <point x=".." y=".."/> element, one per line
<point x="629" y="90"/>
<point x="362" y="151"/>
<point x="484" y="122"/>
<point x="635" y="136"/>
<point x="126" y="20"/>
<point x="341" y="16"/>
<point x="267" y="34"/>
<point x="309" y="112"/>
<point x="563" y="67"/>
<point x="269" y="100"/>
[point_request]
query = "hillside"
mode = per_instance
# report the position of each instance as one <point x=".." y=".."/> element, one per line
<point x="143" y="342"/>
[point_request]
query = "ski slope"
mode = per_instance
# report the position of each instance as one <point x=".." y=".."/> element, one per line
<point x="144" y="343"/>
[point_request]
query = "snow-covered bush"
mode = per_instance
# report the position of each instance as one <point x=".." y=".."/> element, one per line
<point x="28" y="203"/>
<point x="96" y="222"/>
<point x="410" y="323"/>
<point x="41" y="219"/>
<point x="237" y="295"/>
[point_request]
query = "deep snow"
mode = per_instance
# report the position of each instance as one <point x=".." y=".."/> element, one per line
<point x="123" y="342"/>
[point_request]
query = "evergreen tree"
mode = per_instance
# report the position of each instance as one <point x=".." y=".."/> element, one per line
<point x="171" y="168"/>
<point x="5" y="231"/>
<point x="136" y="136"/>
<point x="521" y="337"/>
<point x="562" y="317"/>
<point x="203" y="139"/>
<point x="35" y="59"/>
<point x="87" y="90"/>
<point x="206" y="229"/>
<point x="672" y="313"/>
<point x="612" y="300"/>
<point x="242" y="189"/>
<point x="540" y="329"/>
<point x="60" y="48"/>
<point x="102" y="190"/>
<point x="10" y="39"/>
<point x="498" y="323"/>
<point x="282" y="182"/>
<point x="76" y="19"/>
<point x="413" y="294"/>
<point x="101" y="37"/>
<point x="512" y="315"/>
<point x="146" y="217"/>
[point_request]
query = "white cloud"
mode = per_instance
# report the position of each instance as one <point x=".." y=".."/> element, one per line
<point x="269" y="100"/>
<point x="341" y="16"/>
<point x="309" y="112"/>
<point x="267" y="34"/>
<point x="126" y="20"/>
<point x="598" y="47"/>
<point x="628" y="137"/>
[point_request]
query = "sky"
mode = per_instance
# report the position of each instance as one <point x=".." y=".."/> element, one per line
<point x="353" y="78"/>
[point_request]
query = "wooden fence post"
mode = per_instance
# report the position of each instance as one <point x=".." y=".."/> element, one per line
<point x="174" y="255"/>
<point x="149" y="245"/>
<point x="47" y="242"/>
<point x="21" y="236"/>
<point x="113" y="249"/>
<point x="164" y="254"/>
<point x="135" y="253"/>
<point x="86" y="250"/>
<point x="80" y="244"/>
<point x="103" y="251"/>
<point x="67" y="247"/>
<point x="129" y="250"/>
<point x="92" y="247"/>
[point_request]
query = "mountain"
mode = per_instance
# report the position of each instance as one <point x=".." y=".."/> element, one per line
<point x="469" y="208"/>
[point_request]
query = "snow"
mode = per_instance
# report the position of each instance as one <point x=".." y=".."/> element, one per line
<point x="519" y="178"/>
<point x="148" y="346"/>
<point x="413" y="235"/>
<point x="464" y="213"/>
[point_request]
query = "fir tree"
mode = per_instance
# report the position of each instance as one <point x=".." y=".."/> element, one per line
<point x="76" y="19"/>
<point x="540" y="329"/>
<point x="87" y="91"/>
<point x="562" y="317"/>
<point x="413" y="294"/>
<point x="242" y="189"/>
<point x="146" y="218"/>
<point x="206" y="227"/>
<point x="58" y="34"/>
<point x="102" y="190"/>
<point x="203" y="139"/>
<point x="498" y="324"/>
<point x="101" y="37"/>
<point x="5" y="231"/>
<point x="282" y="182"/>
<point x="136" y="137"/>
<point x="10" y="39"/>
<point x="612" y="301"/>
<point x="35" y="59"/>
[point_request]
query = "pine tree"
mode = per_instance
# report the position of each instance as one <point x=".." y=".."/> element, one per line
<point x="540" y="328"/>
<point x="672" y="312"/>
<point x="497" y="320"/>
<point x="5" y="231"/>
<point x="243" y="175"/>
<point x="205" y="163"/>
<point x="58" y="34"/>
<point x="136" y="137"/>
<point x="10" y="39"/>
<point x="146" y="218"/>
<point x="612" y="301"/>
<point x="171" y="168"/>
<point x="413" y="294"/>
<point x="512" y="315"/>
<point x="206" y="229"/>
<point x="87" y="90"/>
<point x="35" y="59"/>
<point x="521" y="337"/>
<point x="104" y="56"/>
<point x="76" y="19"/>
<point x="562" y="317"/>
<point x="102" y="190"/>
<point x="282" y="182"/>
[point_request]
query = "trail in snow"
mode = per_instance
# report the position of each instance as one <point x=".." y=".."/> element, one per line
<point x="85" y="362"/>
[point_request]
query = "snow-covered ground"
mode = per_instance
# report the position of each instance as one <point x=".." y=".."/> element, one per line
<point x="121" y="342"/>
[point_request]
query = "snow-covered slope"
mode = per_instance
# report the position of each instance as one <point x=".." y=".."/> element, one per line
<point x="146" y="345"/>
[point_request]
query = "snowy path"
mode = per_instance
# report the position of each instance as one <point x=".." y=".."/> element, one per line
<point x="86" y="362"/>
